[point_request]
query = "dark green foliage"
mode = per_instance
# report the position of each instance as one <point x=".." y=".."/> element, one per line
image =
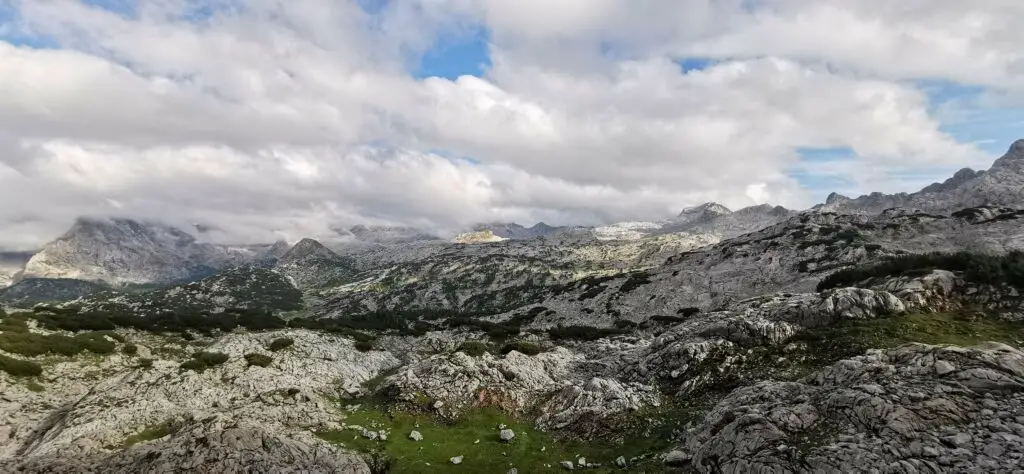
<point x="20" y="368"/>
<point x="210" y="358"/>
<point x="31" y="344"/>
<point x="581" y="333"/>
<point x="193" y="365"/>
<point x="70" y="319"/>
<point x="668" y="319"/>
<point x="636" y="280"/>
<point x="280" y="343"/>
<point x="523" y="347"/>
<point x="687" y="312"/>
<point x="331" y="326"/>
<point x="473" y="348"/>
<point x="130" y="349"/>
<point x="493" y="330"/>
<point x="259" y="360"/>
<point x="11" y="324"/>
<point x="977" y="268"/>
<point x="364" y="346"/>
<point x="145" y="363"/>
<point x="201" y="361"/>
<point x="624" y="324"/>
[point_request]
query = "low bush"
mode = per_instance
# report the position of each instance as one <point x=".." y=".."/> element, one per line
<point x="977" y="268"/>
<point x="258" y="360"/>
<point x="522" y="347"/>
<point x="210" y="358"/>
<point x="364" y="346"/>
<point x="145" y="363"/>
<point x="280" y="344"/>
<point x="201" y="361"/>
<point x="20" y="368"/>
<point x="668" y="319"/>
<point x="31" y="344"/>
<point x="130" y="349"/>
<point x="193" y="365"/>
<point x="473" y="348"/>
<point x="582" y="333"/>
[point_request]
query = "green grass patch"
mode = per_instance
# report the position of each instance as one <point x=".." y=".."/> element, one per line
<point x="530" y="451"/>
<point x="34" y="386"/>
<point x="149" y="433"/>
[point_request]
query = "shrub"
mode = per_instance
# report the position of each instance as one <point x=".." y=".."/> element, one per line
<point x="193" y="365"/>
<point x="258" y="360"/>
<point x="581" y="333"/>
<point x="687" y="312"/>
<point x="280" y="343"/>
<point x="145" y="363"/>
<point x="210" y="358"/>
<point x="33" y="386"/>
<point x="20" y="368"/>
<point x="977" y="268"/>
<point x="130" y="349"/>
<point x="364" y="346"/>
<point x="31" y="344"/>
<point x="473" y="348"/>
<point x="624" y="324"/>
<point x="668" y="319"/>
<point x="522" y="347"/>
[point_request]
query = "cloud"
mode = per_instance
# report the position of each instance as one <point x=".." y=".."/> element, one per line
<point x="273" y="118"/>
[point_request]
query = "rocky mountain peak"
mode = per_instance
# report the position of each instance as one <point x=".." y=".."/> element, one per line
<point x="308" y="249"/>
<point x="708" y="210"/>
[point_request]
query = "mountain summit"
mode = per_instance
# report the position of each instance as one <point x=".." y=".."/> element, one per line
<point x="1000" y="185"/>
<point x="124" y="251"/>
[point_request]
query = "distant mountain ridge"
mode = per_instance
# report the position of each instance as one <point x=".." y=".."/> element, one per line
<point x="1000" y="185"/>
<point x="122" y="251"/>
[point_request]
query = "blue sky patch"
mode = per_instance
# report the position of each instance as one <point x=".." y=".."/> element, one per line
<point x="456" y="54"/>
<point x="694" y="64"/>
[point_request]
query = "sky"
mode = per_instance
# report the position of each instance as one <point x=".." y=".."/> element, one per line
<point x="268" y="119"/>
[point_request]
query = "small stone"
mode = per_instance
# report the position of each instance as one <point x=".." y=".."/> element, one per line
<point x="957" y="440"/>
<point x="438" y="404"/>
<point x="993" y="450"/>
<point x="942" y="367"/>
<point x="582" y="462"/>
<point x="930" y="452"/>
<point x="512" y="471"/>
<point x="476" y="442"/>
<point x="568" y="465"/>
<point x="676" y="458"/>
<point x="456" y="460"/>
<point x="416" y="436"/>
<point x="506" y="435"/>
<point x="620" y="461"/>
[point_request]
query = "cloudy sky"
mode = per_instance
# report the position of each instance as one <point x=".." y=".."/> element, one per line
<point x="284" y="118"/>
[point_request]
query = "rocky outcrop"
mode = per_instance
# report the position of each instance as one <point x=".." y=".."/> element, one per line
<point x="596" y="400"/>
<point x="89" y="409"/>
<point x="913" y="409"/>
<point x="458" y="381"/>
<point x="206" y="447"/>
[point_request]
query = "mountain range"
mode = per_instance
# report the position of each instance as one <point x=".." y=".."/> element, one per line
<point x="122" y="251"/>
<point x="882" y="333"/>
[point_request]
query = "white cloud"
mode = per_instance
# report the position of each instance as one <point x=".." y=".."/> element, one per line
<point x="272" y="118"/>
